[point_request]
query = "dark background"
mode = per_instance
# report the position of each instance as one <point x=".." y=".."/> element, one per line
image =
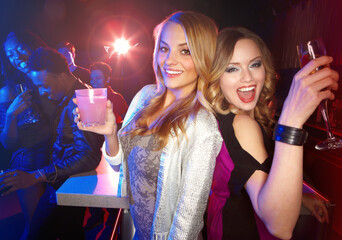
<point x="92" y="24"/>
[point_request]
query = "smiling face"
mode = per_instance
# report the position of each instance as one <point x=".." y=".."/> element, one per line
<point x="98" y="80"/>
<point x="244" y="76"/>
<point x="175" y="61"/>
<point x="17" y="54"/>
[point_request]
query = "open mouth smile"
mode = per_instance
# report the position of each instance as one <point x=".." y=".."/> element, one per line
<point x="172" y="73"/>
<point x="246" y="94"/>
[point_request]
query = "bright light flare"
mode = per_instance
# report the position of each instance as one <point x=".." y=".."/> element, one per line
<point x="121" y="46"/>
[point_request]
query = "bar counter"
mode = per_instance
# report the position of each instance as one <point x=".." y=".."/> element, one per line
<point x="323" y="170"/>
<point x="97" y="188"/>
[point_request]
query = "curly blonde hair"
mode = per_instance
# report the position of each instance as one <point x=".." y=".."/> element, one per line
<point x="226" y="42"/>
<point x="201" y="36"/>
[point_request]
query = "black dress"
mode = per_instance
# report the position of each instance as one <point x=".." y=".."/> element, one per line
<point x="238" y="219"/>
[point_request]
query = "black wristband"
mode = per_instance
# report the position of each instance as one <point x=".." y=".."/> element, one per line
<point x="290" y="135"/>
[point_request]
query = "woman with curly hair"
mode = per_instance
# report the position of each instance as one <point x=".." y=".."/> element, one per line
<point x="252" y="180"/>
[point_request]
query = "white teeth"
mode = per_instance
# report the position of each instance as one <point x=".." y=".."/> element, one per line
<point x="173" y="72"/>
<point x="246" y="89"/>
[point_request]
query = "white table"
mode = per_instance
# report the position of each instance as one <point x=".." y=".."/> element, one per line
<point x="96" y="188"/>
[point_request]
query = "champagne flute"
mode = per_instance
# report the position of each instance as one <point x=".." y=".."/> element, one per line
<point x="306" y="52"/>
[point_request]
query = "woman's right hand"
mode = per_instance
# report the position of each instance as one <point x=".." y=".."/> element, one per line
<point x="316" y="206"/>
<point x="20" y="103"/>
<point x="307" y="90"/>
<point x="108" y="129"/>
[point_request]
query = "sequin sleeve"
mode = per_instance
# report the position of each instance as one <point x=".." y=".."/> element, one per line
<point x="198" y="171"/>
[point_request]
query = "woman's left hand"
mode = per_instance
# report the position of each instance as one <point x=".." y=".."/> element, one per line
<point x="316" y="206"/>
<point x="309" y="87"/>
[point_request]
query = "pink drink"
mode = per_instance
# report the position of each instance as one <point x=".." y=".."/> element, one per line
<point x="92" y="105"/>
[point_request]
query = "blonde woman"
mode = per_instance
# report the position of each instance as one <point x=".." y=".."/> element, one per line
<point x="249" y="179"/>
<point x="169" y="141"/>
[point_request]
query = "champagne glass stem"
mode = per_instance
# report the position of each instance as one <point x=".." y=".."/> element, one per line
<point x="324" y="110"/>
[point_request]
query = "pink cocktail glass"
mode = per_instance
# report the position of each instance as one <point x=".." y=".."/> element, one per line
<point x="92" y="106"/>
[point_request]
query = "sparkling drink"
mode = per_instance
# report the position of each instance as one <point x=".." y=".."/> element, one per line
<point x="306" y="58"/>
<point x="92" y="106"/>
<point x="306" y="52"/>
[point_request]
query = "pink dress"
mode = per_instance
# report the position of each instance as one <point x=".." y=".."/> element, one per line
<point x="219" y="193"/>
<point x="220" y="196"/>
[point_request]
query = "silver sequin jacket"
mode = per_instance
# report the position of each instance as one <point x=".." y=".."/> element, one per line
<point x="185" y="173"/>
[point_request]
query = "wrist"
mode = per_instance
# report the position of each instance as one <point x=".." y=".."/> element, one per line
<point x="289" y="121"/>
<point x="111" y="145"/>
<point x="293" y="124"/>
<point x="39" y="175"/>
<point x="11" y="115"/>
<point x="110" y="137"/>
<point x="288" y="118"/>
<point x="290" y="135"/>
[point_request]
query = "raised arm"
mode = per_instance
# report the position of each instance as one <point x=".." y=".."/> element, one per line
<point x="277" y="198"/>
<point x="109" y="130"/>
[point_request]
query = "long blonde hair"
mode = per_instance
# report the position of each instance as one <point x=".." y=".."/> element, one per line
<point x="201" y="35"/>
<point x="226" y="42"/>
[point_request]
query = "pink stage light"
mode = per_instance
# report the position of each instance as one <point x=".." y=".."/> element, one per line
<point x="121" y="46"/>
